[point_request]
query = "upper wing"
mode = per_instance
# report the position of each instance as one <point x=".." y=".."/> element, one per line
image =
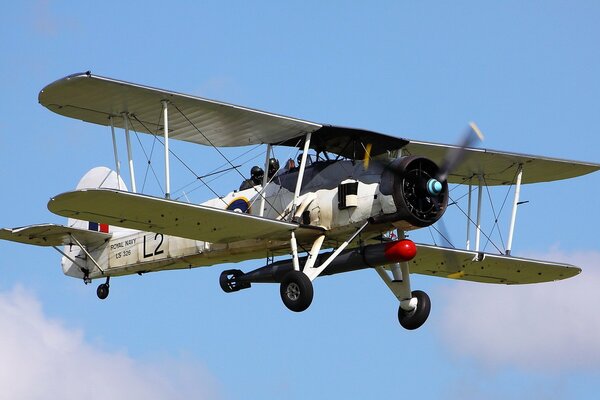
<point x="51" y="235"/>
<point x="94" y="99"/>
<point x="500" y="168"/>
<point x="463" y="265"/>
<point x="153" y="214"/>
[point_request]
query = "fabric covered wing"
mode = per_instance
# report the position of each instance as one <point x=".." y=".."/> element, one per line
<point x="493" y="268"/>
<point x="153" y="214"/>
<point x="500" y="168"/>
<point x="51" y="235"/>
<point x="94" y="99"/>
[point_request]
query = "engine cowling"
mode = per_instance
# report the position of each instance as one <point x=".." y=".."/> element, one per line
<point x="419" y="198"/>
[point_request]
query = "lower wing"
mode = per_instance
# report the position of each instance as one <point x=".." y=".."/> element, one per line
<point x="487" y="268"/>
<point x="154" y="214"/>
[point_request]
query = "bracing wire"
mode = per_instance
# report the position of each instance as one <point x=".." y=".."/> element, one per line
<point x="198" y="177"/>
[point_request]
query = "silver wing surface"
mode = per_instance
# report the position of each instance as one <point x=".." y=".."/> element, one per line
<point x="194" y="119"/>
<point x="94" y="99"/>
<point x="153" y="214"/>
<point x="52" y="235"/>
<point x="500" y="168"/>
<point x="487" y="268"/>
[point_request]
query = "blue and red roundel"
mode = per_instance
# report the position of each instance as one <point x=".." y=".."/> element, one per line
<point x="240" y="204"/>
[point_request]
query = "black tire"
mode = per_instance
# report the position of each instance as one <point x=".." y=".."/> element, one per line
<point x="228" y="280"/>
<point x="102" y="291"/>
<point x="296" y="291"/>
<point x="414" y="319"/>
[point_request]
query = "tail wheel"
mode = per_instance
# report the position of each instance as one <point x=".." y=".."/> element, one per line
<point x="102" y="291"/>
<point x="414" y="319"/>
<point x="296" y="291"/>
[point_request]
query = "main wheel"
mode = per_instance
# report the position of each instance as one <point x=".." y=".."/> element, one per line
<point x="102" y="291"/>
<point x="414" y="319"/>
<point x="296" y="291"/>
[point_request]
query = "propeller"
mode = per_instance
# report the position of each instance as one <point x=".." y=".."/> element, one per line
<point x="420" y="185"/>
<point x="454" y="158"/>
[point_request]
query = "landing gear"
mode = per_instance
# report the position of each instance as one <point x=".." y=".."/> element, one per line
<point x="103" y="289"/>
<point x="413" y="319"/>
<point x="296" y="291"/>
<point x="229" y="281"/>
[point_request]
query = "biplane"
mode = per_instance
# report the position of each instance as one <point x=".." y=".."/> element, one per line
<point x="346" y="203"/>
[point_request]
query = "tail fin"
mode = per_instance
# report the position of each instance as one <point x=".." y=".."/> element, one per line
<point x="99" y="177"/>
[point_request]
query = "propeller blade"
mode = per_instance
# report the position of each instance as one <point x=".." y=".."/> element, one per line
<point x="367" y="156"/>
<point x="456" y="155"/>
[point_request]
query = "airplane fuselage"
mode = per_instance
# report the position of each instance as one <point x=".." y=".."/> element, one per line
<point x="130" y="251"/>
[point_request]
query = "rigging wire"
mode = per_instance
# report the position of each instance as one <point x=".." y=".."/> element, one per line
<point x="260" y="193"/>
<point x="181" y="161"/>
<point x="474" y="223"/>
<point x="148" y="158"/>
<point x="501" y="208"/>
<point x="219" y="170"/>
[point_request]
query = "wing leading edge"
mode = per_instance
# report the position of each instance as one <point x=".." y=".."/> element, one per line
<point x="153" y="214"/>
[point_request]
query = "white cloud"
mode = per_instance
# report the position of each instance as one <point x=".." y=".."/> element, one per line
<point x="549" y="327"/>
<point x="40" y="358"/>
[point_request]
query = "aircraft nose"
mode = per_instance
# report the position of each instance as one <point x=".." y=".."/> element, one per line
<point x="434" y="187"/>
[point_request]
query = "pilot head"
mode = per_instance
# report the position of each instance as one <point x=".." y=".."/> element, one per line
<point x="256" y="174"/>
<point x="273" y="166"/>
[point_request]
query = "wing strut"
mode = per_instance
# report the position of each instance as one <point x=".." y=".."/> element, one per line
<point x="166" y="126"/>
<point x="301" y="171"/>
<point x="129" y="156"/>
<point x="513" y="217"/>
<point x="114" y="140"/>
<point x="468" y="245"/>
<point x="265" y="181"/>
<point x="478" y="223"/>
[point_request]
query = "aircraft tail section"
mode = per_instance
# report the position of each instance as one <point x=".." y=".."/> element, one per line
<point x="98" y="177"/>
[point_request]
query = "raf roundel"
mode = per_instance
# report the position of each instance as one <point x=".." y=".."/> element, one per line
<point x="240" y="205"/>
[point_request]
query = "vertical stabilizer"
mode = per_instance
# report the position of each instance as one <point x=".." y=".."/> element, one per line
<point x="99" y="177"/>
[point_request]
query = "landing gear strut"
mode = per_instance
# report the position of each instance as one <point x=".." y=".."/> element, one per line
<point x="103" y="289"/>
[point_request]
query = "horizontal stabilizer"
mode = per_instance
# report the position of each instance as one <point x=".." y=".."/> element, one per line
<point x="492" y="268"/>
<point x="154" y="214"/>
<point x="52" y="235"/>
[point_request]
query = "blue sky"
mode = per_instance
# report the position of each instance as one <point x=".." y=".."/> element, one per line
<point x="526" y="72"/>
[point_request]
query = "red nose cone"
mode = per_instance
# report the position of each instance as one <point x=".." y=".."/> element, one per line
<point x="402" y="250"/>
